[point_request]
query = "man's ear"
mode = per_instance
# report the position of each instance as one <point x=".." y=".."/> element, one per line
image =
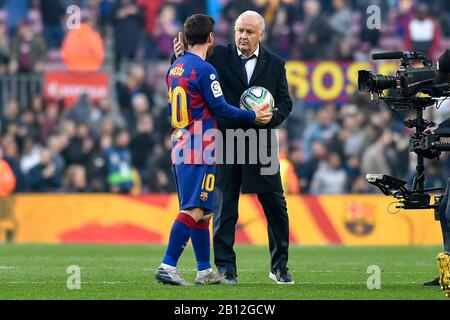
<point x="211" y="37"/>
<point x="262" y="35"/>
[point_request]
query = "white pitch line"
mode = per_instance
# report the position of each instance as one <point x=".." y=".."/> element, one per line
<point x="362" y="283"/>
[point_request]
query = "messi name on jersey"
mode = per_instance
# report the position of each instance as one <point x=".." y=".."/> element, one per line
<point x="193" y="91"/>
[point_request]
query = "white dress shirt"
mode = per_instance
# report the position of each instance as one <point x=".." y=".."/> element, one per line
<point x="251" y="64"/>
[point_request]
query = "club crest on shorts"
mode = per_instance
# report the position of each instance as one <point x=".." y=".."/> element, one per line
<point x="204" y="196"/>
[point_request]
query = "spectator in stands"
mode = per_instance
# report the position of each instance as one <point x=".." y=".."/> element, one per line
<point x="344" y="51"/>
<point x="80" y="146"/>
<point x="10" y="118"/>
<point x="28" y="50"/>
<point x="423" y="33"/>
<point x="317" y="34"/>
<point x="307" y="168"/>
<point x="53" y="12"/>
<point x="352" y="136"/>
<point x="108" y="128"/>
<point x="404" y="14"/>
<point x="185" y="8"/>
<point x="82" y="48"/>
<point x="17" y="11"/>
<point x="102" y="110"/>
<point x="26" y="127"/>
<point x="35" y="17"/>
<point x="49" y="119"/>
<point x="80" y="112"/>
<point x="330" y="177"/>
<point x="56" y="144"/>
<point x="165" y="30"/>
<point x="136" y="83"/>
<point x="118" y="164"/>
<point x="128" y="20"/>
<point x="5" y="49"/>
<point x="375" y="158"/>
<point x="323" y="128"/>
<point x="159" y="175"/>
<point x="105" y="8"/>
<point x="281" y="35"/>
<point x="30" y="154"/>
<point x="151" y="8"/>
<point x="37" y="106"/>
<point x="235" y="7"/>
<point x="352" y="166"/>
<point x="45" y="176"/>
<point x="142" y="144"/>
<point x="340" y="23"/>
<point x="140" y="107"/>
<point x="75" y="179"/>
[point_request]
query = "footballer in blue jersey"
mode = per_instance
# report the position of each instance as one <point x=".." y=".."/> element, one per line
<point x="195" y="100"/>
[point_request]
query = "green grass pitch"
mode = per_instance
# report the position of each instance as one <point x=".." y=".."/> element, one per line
<point x="126" y="272"/>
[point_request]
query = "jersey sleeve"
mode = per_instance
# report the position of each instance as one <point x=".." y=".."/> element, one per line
<point x="209" y="86"/>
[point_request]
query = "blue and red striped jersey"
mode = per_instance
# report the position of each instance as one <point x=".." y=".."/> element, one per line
<point x="195" y="99"/>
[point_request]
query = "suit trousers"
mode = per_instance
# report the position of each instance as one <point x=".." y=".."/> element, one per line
<point x="226" y="201"/>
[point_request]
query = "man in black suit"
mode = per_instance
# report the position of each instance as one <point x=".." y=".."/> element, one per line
<point x="241" y="65"/>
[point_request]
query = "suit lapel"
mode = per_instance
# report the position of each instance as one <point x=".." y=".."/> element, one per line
<point x="236" y="65"/>
<point x="260" y="64"/>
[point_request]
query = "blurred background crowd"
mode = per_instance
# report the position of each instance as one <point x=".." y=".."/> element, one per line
<point x="121" y="143"/>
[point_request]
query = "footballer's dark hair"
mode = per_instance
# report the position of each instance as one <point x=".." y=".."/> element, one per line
<point x="197" y="28"/>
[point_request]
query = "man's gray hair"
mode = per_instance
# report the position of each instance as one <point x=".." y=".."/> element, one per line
<point x="261" y="22"/>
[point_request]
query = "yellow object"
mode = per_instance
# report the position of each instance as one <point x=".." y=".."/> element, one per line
<point x="443" y="261"/>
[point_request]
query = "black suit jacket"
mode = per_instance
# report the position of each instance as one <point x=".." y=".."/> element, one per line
<point x="269" y="73"/>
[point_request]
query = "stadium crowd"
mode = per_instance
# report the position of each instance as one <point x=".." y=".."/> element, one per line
<point x="121" y="143"/>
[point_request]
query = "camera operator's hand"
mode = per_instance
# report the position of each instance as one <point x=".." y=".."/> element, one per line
<point x="431" y="129"/>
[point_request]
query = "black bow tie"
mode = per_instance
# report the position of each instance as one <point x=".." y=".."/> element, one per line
<point x="245" y="60"/>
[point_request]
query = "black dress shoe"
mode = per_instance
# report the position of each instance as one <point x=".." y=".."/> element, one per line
<point x="281" y="276"/>
<point x="432" y="283"/>
<point x="228" y="278"/>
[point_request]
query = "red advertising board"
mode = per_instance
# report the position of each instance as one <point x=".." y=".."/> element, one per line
<point x="71" y="85"/>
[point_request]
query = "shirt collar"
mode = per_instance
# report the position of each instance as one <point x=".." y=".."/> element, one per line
<point x="241" y="55"/>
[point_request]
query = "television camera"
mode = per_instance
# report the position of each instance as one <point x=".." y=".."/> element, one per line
<point x="412" y="88"/>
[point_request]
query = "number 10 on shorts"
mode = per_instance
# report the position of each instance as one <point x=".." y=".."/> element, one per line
<point x="208" y="182"/>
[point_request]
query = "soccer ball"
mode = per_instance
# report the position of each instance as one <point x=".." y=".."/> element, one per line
<point x="255" y="98"/>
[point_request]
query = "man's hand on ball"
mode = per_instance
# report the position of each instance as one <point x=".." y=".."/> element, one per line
<point x="263" y="117"/>
<point x="178" y="46"/>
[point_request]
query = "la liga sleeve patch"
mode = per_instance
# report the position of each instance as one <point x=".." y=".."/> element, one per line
<point x="216" y="89"/>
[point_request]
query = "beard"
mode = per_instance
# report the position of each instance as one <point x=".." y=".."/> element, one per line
<point x="209" y="51"/>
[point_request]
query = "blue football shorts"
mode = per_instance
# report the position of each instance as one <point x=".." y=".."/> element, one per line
<point x="195" y="186"/>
